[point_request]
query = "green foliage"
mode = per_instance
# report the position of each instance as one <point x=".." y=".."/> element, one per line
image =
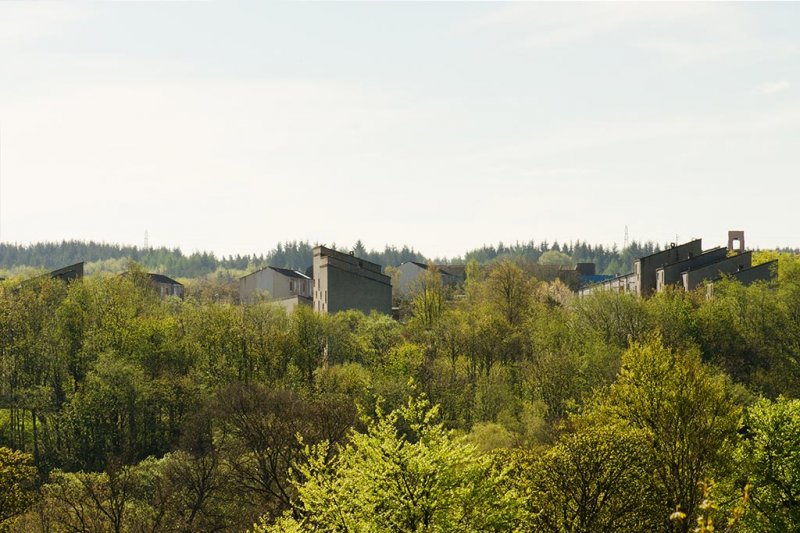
<point x="598" y="479"/>
<point x="406" y="472"/>
<point x="555" y="257"/>
<point x="770" y="458"/>
<point x="17" y="477"/>
<point x="688" y="414"/>
<point x="143" y="414"/>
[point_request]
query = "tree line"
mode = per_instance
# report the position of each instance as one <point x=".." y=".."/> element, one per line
<point x="506" y="404"/>
<point x="104" y="257"/>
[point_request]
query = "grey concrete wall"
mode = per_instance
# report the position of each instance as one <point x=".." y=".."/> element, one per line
<point x="729" y="265"/>
<point x="671" y="274"/>
<point x="645" y="268"/>
<point x="762" y="272"/>
<point x="342" y="282"/>
<point x="350" y="290"/>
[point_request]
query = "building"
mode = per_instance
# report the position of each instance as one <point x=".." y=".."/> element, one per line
<point x="623" y="283"/>
<point x="408" y="276"/>
<point x="746" y="276"/>
<point x="165" y="286"/>
<point x="691" y="278"/>
<point x="673" y="273"/>
<point x="687" y="266"/>
<point x="68" y="273"/>
<point x="288" y="288"/>
<point x="645" y="268"/>
<point x="343" y="281"/>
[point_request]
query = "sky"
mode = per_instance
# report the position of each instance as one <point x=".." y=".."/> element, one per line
<point x="232" y="126"/>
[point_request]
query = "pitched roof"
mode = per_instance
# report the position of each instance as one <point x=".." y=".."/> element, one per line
<point x="161" y="278"/>
<point x="289" y="273"/>
<point x="453" y="270"/>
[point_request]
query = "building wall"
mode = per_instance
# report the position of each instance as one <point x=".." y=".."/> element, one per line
<point x="729" y="265"/>
<point x="762" y="272"/>
<point x="672" y="274"/>
<point x="169" y="289"/>
<point x="626" y="283"/>
<point x="257" y="282"/>
<point x="273" y="283"/>
<point x="342" y="282"/>
<point x="290" y="303"/>
<point x="407" y="277"/>
<point x="645" y="268"/>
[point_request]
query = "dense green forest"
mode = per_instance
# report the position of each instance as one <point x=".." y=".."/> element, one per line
<point x="101" y="257"/>
<point x="508" y="404"/>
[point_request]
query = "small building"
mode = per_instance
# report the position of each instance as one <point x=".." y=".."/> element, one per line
<point x="343" y="281"/>
<point x="408" y="275"/>
<point x="166" y="286"/>
<point x="285" y="287"/>
<point x="68" y="273"/>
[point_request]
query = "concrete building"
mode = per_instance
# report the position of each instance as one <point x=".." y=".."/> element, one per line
<point x="343" y="281"/>
<point x="408" y="276"/>
<point x="644" y="269"/>
<point x="691" y="278"/>
<point x="288" y="288"/>
<point x="687" y="266"/>
<point x="671" y="274"/>
<point x="763" y="272"/>
<point x="624" y="283"/>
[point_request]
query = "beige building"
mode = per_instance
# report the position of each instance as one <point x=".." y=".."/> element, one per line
<point x="285" y="287"/>
<point x="409" y="273"/>
<point x="343" y="281"/>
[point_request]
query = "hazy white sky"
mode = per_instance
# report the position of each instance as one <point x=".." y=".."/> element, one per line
<point x="231" y="126"/>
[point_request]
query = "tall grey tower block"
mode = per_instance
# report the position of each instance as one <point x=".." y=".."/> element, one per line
<point x="343" y="281"/>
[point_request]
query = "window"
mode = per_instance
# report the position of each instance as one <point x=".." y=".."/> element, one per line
<point x="291" y="286"/>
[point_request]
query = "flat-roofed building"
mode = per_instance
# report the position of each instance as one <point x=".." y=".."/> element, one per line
<point x="343" y="281"/>
<point x="672" y="274"/>
<point x="728" y="266"/>
<point x="644" y="269"/>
